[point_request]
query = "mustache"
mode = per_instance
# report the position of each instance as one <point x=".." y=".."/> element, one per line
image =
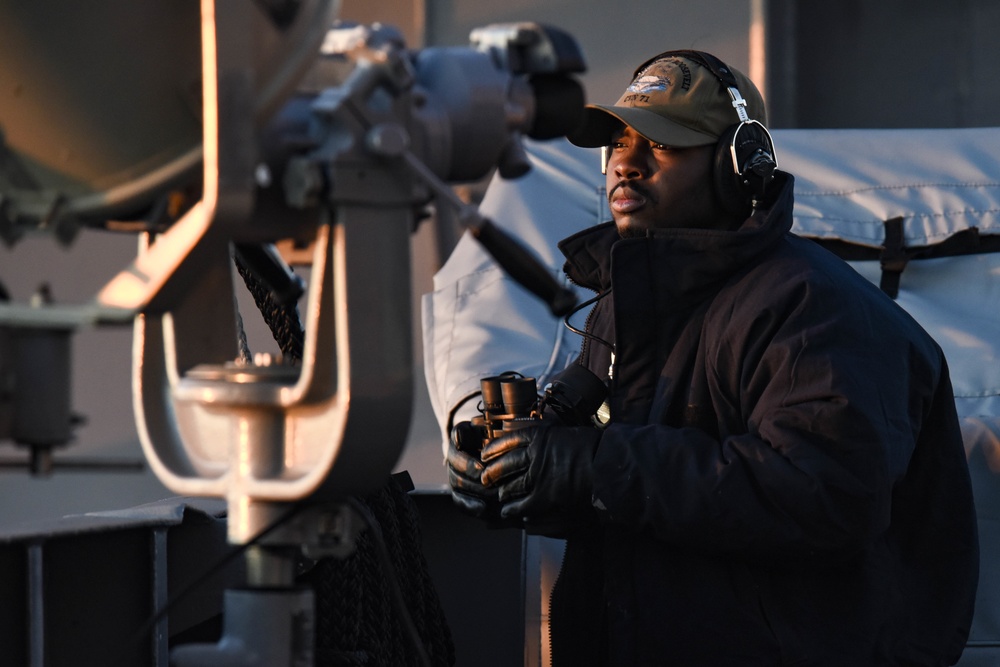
<point x="631" y="185"/>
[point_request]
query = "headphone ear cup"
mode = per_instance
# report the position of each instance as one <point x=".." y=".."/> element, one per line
<point x="744" y="164"/>
<point x="728" y="183"/>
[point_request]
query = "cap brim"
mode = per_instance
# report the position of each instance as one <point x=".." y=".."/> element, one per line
<point x="600" y="122"/>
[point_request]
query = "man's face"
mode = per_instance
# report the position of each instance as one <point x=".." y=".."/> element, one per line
<point x="652" y="186"/>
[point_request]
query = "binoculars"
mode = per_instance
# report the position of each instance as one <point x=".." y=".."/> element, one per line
<point x="511" y="401"/>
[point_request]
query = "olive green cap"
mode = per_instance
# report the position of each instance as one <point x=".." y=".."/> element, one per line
<point x="675" y="100"/>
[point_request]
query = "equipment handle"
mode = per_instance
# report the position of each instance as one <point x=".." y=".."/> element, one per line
<point x="526" y="269"/>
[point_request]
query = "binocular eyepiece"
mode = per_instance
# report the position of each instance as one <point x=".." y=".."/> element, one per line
<point x="510" y="401"/>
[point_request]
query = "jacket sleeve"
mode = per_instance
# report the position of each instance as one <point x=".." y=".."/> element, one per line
<point x="819" y="394"/>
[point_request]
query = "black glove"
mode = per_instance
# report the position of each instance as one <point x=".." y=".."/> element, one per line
<point x="465" y="472"/>
<point x="544" y="474"/>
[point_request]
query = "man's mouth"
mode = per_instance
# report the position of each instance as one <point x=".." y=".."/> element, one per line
<point x="625" y="199"/>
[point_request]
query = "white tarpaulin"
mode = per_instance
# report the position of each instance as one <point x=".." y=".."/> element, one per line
<point x="942" y="187"/>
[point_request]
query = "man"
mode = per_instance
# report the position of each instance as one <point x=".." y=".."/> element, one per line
<point x="781" y="480"/>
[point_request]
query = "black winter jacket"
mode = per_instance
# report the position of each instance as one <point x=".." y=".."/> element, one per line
<point x="783" y="481"/>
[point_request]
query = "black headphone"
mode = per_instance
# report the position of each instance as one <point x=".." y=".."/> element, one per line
<point x="744" y="155"/>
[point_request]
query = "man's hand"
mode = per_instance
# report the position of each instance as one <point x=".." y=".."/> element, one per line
<point x="465" y="472"/>
<point x="542" y="473"/>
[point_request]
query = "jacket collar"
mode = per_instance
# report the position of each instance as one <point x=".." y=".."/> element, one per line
<point x="698" y="257"/>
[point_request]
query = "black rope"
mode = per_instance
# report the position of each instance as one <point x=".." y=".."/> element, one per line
<point x="377" y="607"/>
<point x="358" y="617"/>
<point x="281" y="318"/>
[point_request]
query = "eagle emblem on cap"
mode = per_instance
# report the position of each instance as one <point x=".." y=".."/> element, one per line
<point x="648" y="83"/>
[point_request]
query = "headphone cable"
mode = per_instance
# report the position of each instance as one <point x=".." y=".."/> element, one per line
<point x="587" y="334"/>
